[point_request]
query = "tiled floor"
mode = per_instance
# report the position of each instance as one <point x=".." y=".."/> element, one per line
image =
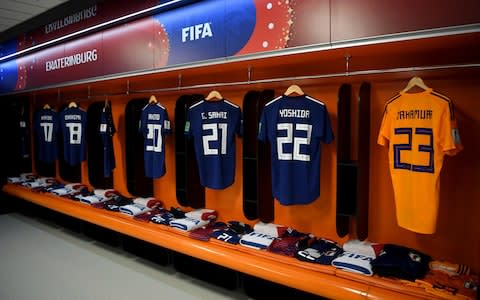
<point x="39" y="260"/>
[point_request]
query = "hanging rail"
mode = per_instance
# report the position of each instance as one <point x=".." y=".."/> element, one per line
<point x="318" y="76"/>
<point x="251" y="81"/>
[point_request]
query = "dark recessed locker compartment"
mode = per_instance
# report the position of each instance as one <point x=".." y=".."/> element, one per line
<point x="259" y="289"/>
<point x="70" y="223"/>
<point x="146" y="250"/>
<point x="15" y="124"/>
<point x="250" y="124"/>
<point x="189" y="191"/>
<point x="95" y="155"/>
<point x="137" y="183"/>
<point x="102" y="234"/>
<point x="205" y="271"/>
<point x="257" y="188"/>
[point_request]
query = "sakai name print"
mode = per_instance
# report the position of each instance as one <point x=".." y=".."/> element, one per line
<point x="295" y="127"/>
<point x="214" y="115"/>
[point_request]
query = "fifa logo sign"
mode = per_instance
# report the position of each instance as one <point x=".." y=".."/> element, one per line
<point x="196" y="32"/>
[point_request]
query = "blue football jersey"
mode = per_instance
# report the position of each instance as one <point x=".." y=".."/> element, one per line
<point x="45" y="127"/>
<point x="154" y="125"/>
<point x="106" y="131"/>
<point x="295" y="126"/>
<point x="213" y="126"/>
<point x="24" y="136"/>
<point x="73" y="124"/>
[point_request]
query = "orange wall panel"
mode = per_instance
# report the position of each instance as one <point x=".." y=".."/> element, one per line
<point x="457" y="229"/>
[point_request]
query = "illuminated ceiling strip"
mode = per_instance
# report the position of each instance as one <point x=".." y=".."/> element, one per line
<point x="88" y="29"/>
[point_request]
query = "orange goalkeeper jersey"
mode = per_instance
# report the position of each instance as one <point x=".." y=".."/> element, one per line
<point x="419" y="128"/>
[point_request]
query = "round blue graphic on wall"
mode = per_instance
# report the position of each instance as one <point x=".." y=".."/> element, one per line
<point x="200" y="31"/>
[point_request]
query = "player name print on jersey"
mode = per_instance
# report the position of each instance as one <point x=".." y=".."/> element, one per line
<point x="45" y="130"/>
<point x="213" y="126"/>
<point x="73" y="122"/>
<point x="419" y="129"/>
<point x="295" y="126"/>
<point x="154" y="126"/>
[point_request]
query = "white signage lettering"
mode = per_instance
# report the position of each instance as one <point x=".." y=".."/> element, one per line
<point x="196" y="32"/>
<point x="72" y="60"/>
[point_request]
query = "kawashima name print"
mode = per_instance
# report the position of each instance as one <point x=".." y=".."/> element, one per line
<point x="213" y="126"/>
<point x="154" y="125"/>
<point x="73" y="121"/>
<point x="295" y="126"/>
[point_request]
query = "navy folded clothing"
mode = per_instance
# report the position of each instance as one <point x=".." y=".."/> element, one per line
<point x="226" y="235"/>
<point x="239" y="227"/>
<point x="162" y="218"/>
<point x="401" y="262"/>
<point x="177" y="212"/>
<point x="116" y="202"/>
<point x="321" y="251"/>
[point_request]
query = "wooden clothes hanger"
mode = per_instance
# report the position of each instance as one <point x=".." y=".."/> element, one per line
<point x="214" y="95"/>
<point x="72" y="104"/>
<point x="152" y="100"/>
<point x="294" y="89"/>
<point x="46" y="106"/>
<point x="415" y="82"/>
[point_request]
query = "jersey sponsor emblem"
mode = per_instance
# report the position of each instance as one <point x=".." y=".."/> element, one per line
<point x="414" y="257"/>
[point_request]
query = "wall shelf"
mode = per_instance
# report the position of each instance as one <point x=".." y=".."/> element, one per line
<point x="321" y="280"/>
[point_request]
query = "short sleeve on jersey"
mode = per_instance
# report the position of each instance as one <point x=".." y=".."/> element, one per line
<point x="154" y="126"/>
<point x="213" y="125"/>
<point x="295" y="127"/>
